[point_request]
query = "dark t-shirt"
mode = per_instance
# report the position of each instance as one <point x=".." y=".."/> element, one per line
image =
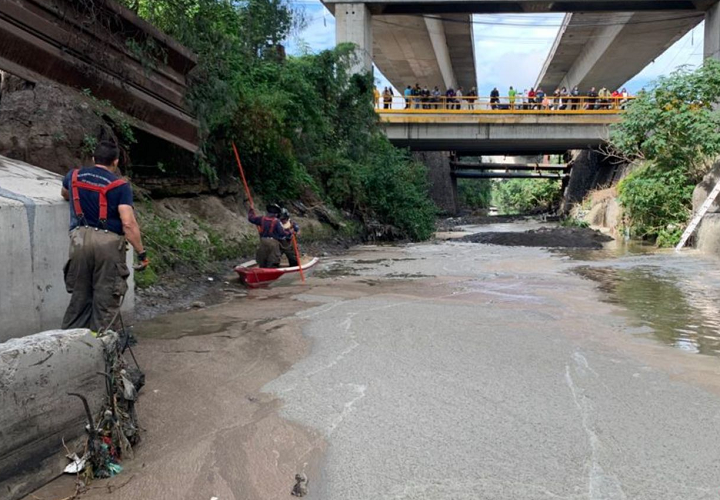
<point x="89" y="200"/>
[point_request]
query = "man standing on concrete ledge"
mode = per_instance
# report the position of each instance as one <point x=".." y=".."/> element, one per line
<point x="101" y="219"/>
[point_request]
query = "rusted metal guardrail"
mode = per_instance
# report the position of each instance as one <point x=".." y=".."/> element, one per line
<point x="104" y="47"/>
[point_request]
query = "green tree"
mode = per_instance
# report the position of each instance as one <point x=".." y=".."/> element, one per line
<point x="475" y="193"/>
<point x="302" y="124"/>
<point x="519" y="196"/>
<point x="672" y="132"/>
<point x="656" y="203"/>
<point x="675" y="124"/>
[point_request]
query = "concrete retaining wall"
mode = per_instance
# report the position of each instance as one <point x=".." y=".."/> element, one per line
<point x="36" y="373"/>
<point x="33" y="250"/>
<point x="707" y="238"/>
<point x="708" y="235"/>
<point x="591" y="171"/>
<point x="443" y="186"/>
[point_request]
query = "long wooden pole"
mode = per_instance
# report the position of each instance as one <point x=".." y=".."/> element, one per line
<point x="242" y="176"/>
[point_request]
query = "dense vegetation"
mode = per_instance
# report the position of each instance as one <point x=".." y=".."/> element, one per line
<point x="672" y="133"/>
<point x="475" y="194"/>
<point x="510" y="196"/>
<point x="305" y="126"/>
<point x="520" y="196"/>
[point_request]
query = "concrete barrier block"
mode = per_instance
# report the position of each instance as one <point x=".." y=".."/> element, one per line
<point x="34" y="224"/>
<point x="36" y="373"/>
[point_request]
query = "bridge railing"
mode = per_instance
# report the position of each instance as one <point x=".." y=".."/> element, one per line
<point x="517" y="104"/>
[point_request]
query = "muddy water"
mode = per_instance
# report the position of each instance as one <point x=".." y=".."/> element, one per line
<point x="504" y="377"/>
<point x="447" y="370"/>
<point x="672" y="298"/>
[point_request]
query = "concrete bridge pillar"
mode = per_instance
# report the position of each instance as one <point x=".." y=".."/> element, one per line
<point x="712" y="32"/>
<point x="443" y="186"/>
<point x="353" y="24"/>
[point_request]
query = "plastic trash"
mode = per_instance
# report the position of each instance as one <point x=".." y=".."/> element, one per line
<point x="77" y="465"/>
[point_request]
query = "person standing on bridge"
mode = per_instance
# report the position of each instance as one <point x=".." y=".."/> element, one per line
<point x="604" y="96"/>
<point x="575" y="98"/>
<point x="564" y="96"/>
<point x="436" y="97"/>
<point x="592" y="99"/>
<point x="512" y="93"/>
<point x="625" y="98"/>
<point x="416" y="91"/>
<point x="425" y="95"/>
<point x="102" y="220"/>
<point x="531" y="98"/>
<point x="376" y="97"/>
<point x="494" y="98"/>
<point x="472" y="97"/>
<point x="408" y="96"/>
<point x="387" y="98"/>
<point x="459" y="96"/>
<point x="450" y="98"/>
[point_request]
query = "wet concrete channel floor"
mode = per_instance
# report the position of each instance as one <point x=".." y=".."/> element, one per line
<point x="445" y="370"/>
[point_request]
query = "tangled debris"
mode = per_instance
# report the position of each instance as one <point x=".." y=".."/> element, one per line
<point x="114" y="430"/>
<point x="301" y="485"/>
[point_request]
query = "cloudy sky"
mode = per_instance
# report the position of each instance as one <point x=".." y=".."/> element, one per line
<point x="510" y="49"/>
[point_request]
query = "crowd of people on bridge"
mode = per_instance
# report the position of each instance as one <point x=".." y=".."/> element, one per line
<point x="417" y="97"/>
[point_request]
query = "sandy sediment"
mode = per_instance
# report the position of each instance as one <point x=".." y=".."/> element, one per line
<point x="208" y="430"/>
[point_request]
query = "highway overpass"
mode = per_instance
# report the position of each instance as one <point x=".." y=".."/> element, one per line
<point x="397" y="7"/>
<point x="481" y="130"/>
<point x="429" y="51"/>
<point x="498" y="132"/>
<point x="608" y="49"/>
<point x="433" y="50"/>
<point x="602" y="43"/>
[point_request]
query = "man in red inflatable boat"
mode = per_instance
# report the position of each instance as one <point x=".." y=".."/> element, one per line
<point x="272" y="233"/>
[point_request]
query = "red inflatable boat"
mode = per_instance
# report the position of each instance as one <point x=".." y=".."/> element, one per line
<point x="253" y="276"/>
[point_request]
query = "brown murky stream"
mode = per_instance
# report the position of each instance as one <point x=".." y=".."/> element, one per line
<point x="213" y="428"/>
<point x="668" y="296"/>
<point x="676" y="306"/>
